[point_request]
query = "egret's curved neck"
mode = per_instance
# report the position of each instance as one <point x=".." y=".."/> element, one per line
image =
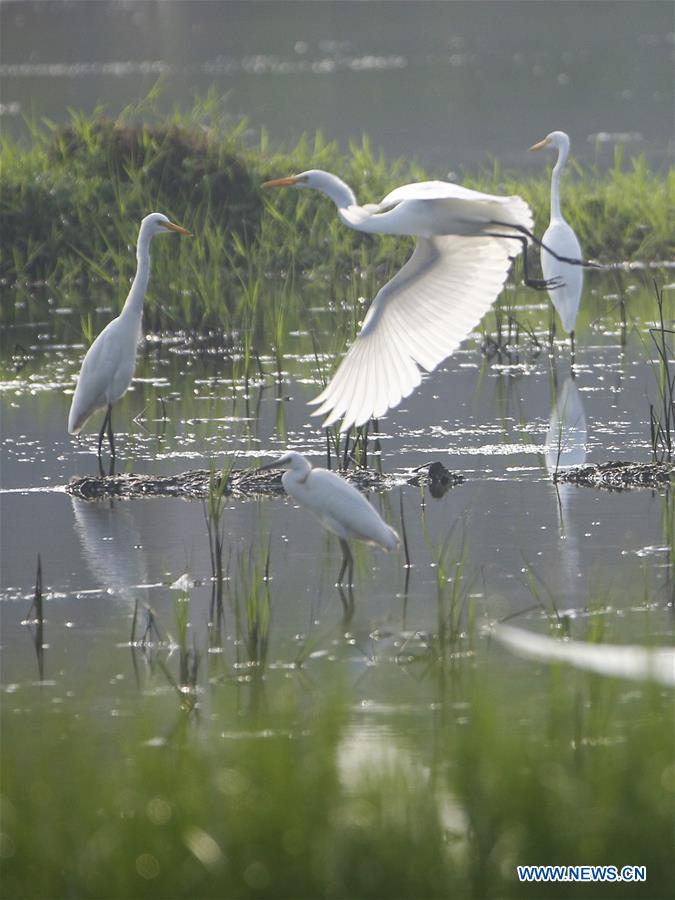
<point x="563" y="151"/>
<point x="336" y="189"/>
<point x="133" y="305"/>
<point x="298" y="472"/>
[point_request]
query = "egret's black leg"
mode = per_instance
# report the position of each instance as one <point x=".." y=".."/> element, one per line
<point x="111" y="436"/>
<point x="347" y="604"/>
<point x="100" y="442"/>
<point x="572" y="348"/>
<point x="539" y="284"/>
<point x="567" y="259"/>
<point x="111" y="441"/>
<point x="347" y="562"/>
<point x="551" y="330"/>
<point x="345" y="457"/>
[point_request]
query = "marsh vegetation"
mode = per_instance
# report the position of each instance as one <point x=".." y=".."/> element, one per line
<point x="190" y="706"/>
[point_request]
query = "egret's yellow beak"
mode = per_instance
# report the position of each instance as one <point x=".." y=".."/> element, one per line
<point x="172" y="227"/>
<point x="541" y="145"/>
<point x="281" y="182"/>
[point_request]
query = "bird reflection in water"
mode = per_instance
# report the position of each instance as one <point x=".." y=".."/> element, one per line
<point x="565" y="447"/>
<point x="567" y="432"/>
<point x="112" y="550"/>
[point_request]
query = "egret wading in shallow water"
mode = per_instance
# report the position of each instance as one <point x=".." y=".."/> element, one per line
<point x="338" y="505"/>
<point x="108" y="366"/>
<point x="560" y="238"/>
<point x="465" y="244"/>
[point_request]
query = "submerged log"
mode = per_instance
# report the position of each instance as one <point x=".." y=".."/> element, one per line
<point x="618" y="475"/>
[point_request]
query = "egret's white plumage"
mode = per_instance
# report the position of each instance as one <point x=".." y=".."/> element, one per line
<point x="560" y="237"/>
<point x="338" y="505"/>
<point x="466" y="241"/>
<point x="620" y="661"/>
<point x="108" y="366"/>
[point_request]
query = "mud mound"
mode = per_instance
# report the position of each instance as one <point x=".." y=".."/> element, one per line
<point x="619" y="475"/>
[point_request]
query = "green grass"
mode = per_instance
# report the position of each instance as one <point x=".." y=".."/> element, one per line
<point x="100" y="807"/>
<point x="71" y="202"/>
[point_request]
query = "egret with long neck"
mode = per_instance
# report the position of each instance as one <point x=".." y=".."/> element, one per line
<point x="559" y="240"/>
<point x="108" y="366"/>
<point x="465" y="244"/>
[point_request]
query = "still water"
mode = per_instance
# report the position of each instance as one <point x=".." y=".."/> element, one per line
<point x="454" y="84"/>
<point x="530" y="550"/>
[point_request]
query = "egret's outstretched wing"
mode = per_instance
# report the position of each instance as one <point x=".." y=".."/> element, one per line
<point x="511" y="209"/>
<point x="437" y="190"/>
<point x="416" y="320"/>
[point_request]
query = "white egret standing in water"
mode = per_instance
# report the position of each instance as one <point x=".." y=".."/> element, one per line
<point x="465" y="244"/>
<point x="560" y="237"/>
<point x="338" y="505"/>
<point x="108" y="366"/>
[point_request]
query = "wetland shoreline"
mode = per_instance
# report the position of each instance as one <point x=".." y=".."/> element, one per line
<point x="72" y="198"/>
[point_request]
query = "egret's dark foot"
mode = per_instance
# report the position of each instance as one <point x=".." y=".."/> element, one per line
<point x="586" y="263"/>
<point x="544" y="284"/>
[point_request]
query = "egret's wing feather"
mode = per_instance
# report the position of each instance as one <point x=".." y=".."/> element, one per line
<point x="566" y="298"/>
<point x="460" y="212"/>
<point x="336" y="502"/>
<point x="439" y="190"/>
<point x="105" y="375"/>
<point x="91" y="383"/>
<point x="416" y="320"/>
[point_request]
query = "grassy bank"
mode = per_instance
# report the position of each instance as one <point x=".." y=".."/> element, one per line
<point x="280" y="801"/>
<point x="71" y="203"/>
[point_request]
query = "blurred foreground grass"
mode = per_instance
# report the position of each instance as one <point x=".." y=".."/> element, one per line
<point x="292" y="798"/>
<point x="71" y="202"/>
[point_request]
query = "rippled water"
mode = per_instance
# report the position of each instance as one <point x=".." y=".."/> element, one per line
<point x="437" y="80"/>
<point x="432" y="79"/>
<point x="529" y="549"/>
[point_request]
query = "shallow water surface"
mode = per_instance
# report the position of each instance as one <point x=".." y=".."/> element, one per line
<point x="435" y="80"/>
<point x="505" y="543"/>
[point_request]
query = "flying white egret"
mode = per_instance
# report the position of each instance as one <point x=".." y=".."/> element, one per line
<point x="618" y="661"/>
<point x="108" y="366"/>
<point x="560" y="237"/>
<point x="465" y="244"/>
<point x="338" y="505"/>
